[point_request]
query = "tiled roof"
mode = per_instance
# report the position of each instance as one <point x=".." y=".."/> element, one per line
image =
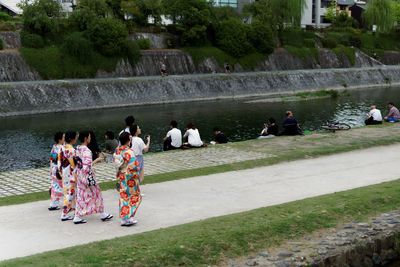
<point x="345" y="2"/>
<point x="11" y="5"/>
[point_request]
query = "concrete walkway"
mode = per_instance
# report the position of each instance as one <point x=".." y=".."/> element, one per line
<point x="29" y="228"/>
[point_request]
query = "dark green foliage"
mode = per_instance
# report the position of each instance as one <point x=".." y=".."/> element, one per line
<point x="5" y="17"/>
<point x="231" y="37"/>
<point x="310" y="43"/>
<point x="107" y="35"/>
<point x="1" y="44"/>
<point x="261" y="37"/>
<point x="80" y="19"/>
<point x="343" y="21"/>
<point x="143" y="43"/>
<point x="348" y="52"/>
<point x="296" y="37"/>
<point x="329" y="42"/>
<point x="191" y="18"/>
<point x="77" y="46"/>
<point x="42" y="17"/>
<point x="131" y="51"/>
<point x="31" y="40"/>
<point x="52" y="63"/>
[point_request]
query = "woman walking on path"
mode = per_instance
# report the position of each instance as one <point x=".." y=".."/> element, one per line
<point x="128" y="181"/>
<point x="67" y="157"/>
<point x="56" y="188"/>
<point x="89" y="199"/>
<point x="139" y="147"/>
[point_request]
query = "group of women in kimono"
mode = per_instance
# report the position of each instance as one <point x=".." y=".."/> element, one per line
<point x="73" y="181"/>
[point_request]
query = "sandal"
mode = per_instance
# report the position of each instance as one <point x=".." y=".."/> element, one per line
<point x="107" y="218"/>
<point x="68" y="218"/>
<point x="80" y="222"/>
<point x="54" y="208"/>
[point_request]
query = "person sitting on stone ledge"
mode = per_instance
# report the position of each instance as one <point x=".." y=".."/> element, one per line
<point x="173" y="139"/>
<point x="271" y="129"/>
<point x="219" y="137"/>
<point x="374" y="116"/>
<point x="290" y="125"/>
<point x="394" y="114"/>
<point x="193" y="137"/>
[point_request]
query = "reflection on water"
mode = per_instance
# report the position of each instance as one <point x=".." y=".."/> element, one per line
<point x="25" y="141"/>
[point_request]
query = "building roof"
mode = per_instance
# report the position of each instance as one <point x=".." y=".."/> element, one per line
<point x="11" y="5"/>
<point x="345" y="2"/>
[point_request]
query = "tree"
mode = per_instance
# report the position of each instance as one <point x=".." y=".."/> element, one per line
<point x="192" y="18"/>
<point x="232" y="37"/>
<point x="380" y="13"/>
<point x="108" y="36"/>
<point x="280" y="13"/>
<point x="141" y="10"/>
<point x="41" y="16"/>
<point x="331" y="11"/>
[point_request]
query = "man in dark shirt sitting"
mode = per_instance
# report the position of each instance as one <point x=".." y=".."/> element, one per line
<point x="290" y="125"/>
<point x="220" y="137"/>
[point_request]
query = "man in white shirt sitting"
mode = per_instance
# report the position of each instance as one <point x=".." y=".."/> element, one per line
<point x="374" y="116"/>
<point x="173" y="139"/>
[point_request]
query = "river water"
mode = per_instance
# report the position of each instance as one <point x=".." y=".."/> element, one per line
<point x="25" y="141"/>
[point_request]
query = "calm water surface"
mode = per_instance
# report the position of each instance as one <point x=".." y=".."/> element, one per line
<point x="25" y="141"/>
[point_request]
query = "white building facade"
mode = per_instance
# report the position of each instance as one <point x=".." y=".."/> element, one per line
<point x="314" y="13"/>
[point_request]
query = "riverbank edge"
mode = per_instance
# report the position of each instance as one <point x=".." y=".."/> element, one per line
<point x="37" y="97"/>
<point x="216" y="240"/>
<point x="313" y="152"/>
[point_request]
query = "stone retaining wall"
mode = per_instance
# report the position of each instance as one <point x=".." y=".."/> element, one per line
<point x="372" y="244"/>
<point x="55" y="96"/>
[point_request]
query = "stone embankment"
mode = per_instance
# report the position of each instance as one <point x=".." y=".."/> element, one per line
<point x="67" y="95"/>
<point x="372" y="244"/>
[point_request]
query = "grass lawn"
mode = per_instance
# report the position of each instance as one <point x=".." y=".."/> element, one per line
<point x="276" y="150"/>
<point x="215" y="240"/>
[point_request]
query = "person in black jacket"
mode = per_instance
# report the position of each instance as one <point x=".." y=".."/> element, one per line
<point x="290" y="125"/>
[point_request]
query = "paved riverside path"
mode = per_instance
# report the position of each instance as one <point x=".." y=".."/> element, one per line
<point x="37" y="180"/>
<point x="28" y="229"/>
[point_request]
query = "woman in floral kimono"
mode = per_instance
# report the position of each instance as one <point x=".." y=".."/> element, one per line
<point x="128" y="181"/>
<point x="89" y="199"/>
<point x="68" y="174"/>
<point x="56" y="189"/>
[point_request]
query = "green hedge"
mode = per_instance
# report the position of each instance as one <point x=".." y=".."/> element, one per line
<point x="143" y="43"/>
<point x="52" y="63"/>
<point x="349" y="52"/>
<point x="31" y="40"/>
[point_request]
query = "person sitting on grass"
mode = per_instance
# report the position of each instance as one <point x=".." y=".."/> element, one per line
<point x="271" y="129"/>
<point x="219" y="137"/>
<point x="374" y="116"/>
<point x="394" y="114"/>
<point x="290" y="125"/>
<point x="173" y="139"/>
<point x="193" y="137"/>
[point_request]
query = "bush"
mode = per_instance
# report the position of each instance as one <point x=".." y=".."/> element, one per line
<point x="31" y="40"/>
<point x="231" y="37"/>
<point x="261" y="37"/>
<point x="349" y="52"/>
<point x="5" y="17"/>
<point x="329" y="42"/>
<point x="292" y="37"/>
<point x="303" y="53"/>
<point x="108" y="36"/>
<point x="143" y="43"/>
<point x="131" y="51"/>
<point x="78" y="46"/>
<point x="309" y="43"/>
<point x="7" y="26"/>
<point x="1" y="44"/>
<point x="52" y="63"/>
<point x="41" y="17"/>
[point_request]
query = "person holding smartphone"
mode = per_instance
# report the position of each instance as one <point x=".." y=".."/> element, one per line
<point x="139" y="147"/>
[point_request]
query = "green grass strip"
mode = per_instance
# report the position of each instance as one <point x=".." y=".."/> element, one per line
<point x="214" y="240"/>
<point x="285" y="149"/>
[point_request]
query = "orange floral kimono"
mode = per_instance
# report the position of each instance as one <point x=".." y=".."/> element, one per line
<point x="128" y="179"/>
